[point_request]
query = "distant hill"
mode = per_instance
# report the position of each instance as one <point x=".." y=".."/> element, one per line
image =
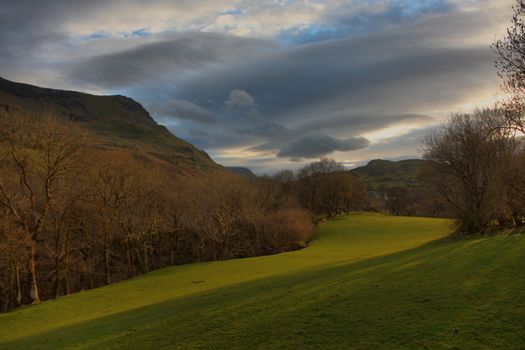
<point x="241" y="171"/>
<point x="118" y="121"/>
<point x="389" y="173"/>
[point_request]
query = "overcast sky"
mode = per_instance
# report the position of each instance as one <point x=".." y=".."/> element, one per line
<point x="268" y="84"/>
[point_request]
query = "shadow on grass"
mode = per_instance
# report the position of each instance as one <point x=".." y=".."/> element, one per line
<point x="419" y="297"/>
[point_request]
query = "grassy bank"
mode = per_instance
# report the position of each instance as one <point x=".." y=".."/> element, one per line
<point x="366" y="281"/>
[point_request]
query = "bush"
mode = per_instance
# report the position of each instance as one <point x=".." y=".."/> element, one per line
<point x="287" y="229"/>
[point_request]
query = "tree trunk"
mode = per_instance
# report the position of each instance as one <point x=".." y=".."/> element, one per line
<point x="18" y="288"/>
<point x="106" y="260"/>
<point x="65" y="275"/>
<point x="146" y="258"/>
<point x="32" y="270"/>
<point x="131" y="270"/>
<point x="91" y="259"/>
<point x="57" y="269"/>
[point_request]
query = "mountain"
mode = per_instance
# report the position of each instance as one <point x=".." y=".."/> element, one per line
<point x="387" y="173"/>
<point x="242" y="171"/>
<point x="117" y="121"/>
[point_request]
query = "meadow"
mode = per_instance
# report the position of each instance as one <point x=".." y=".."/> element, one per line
<point x="365" y="281"/>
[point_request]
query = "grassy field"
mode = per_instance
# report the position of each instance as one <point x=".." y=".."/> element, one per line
<point x="365" y="282"/>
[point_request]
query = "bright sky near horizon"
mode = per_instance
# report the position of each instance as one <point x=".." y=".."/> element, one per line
<point x="269" y="84"/>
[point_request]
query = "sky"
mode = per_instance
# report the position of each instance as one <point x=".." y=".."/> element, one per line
<point x="269" y="84"/>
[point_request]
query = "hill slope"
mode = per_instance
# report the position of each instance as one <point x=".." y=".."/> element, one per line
<point x="367" y="281"/>
<point x="388" y="173"/>
<point x="118" y="121"/>
<point x="242" y="171"/>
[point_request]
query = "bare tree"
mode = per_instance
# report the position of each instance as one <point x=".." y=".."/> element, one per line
<point x="398" y="200"/>
<point x="514" y="179"/>
<point x="324" y="187"/>
<point x="464" y="161"/>
<point x="13" y="261"/>
<point x="323" y="166"/>
<point x="74" y="215"/>
<point x="511" y="67"/>
<point x="40" y="152"/>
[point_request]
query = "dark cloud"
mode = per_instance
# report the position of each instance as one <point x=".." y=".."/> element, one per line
<point x="403" y="63"/>
<point x="29" y="28"/>
<point x="178" y="54"/>
<point x="326" y="88"/>
<point x="183" y="109"/>
<point x="316" y="146"/>
<point x="332" y="74"/>
<point x="200" y="133"/>
<point x="271" y="130"/>
<point x="350" y="86"/>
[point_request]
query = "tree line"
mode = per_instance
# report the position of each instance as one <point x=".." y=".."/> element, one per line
<point x="75" y="216"/>
<point x="421" y="201"/>
<point x="476" y="161"/>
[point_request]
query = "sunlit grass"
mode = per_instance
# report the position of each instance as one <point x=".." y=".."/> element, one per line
<point x="366" y="281"/>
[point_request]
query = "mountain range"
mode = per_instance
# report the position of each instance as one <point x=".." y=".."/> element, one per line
<point x="123" y="123"/>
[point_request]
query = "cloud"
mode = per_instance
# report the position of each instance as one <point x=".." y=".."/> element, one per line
<point x="341" y="88"/>
<point x="354" y="76"/>
<point x="267" y="78"/>
<point x="361" y="123"/>
<point x="271" y="130"/>
<point x="183" y="109"/>
<point x="179" y="54"/>
<point x="321" y="145"/>
<point x="364" y="17"/>
<point x="239" y="98"/>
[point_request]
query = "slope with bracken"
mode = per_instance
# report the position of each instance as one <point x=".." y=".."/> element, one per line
<point x="118" y="122"/>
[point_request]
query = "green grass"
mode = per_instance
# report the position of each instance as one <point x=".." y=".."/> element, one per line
<point x="365" y="282"/>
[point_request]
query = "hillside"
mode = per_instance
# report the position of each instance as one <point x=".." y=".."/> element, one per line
<point x="386" y="173"/>
<point x="118" y="121"/>
<point x="365" y="282"/>
<point x="242" y="171"/>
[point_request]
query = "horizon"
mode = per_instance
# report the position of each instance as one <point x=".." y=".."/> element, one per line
<point x="270" y="86"/>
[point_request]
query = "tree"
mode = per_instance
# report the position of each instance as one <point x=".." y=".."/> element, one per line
<point x="286" y="229"/>
<point x="213" y="208"/>
<point x="511" y="67"/>
<point x="323" y="166"/>
<point x="514" y="178"/>
<point x="13" y="261"/>
<point x="38" y="153"/>
<point x="325" y="187"/>
<point x="66" y="226"/>
<point x="464" y="162"/>
<point x="111" y="186"/>
<point x="310" y="182"/>
<point x="398" y="200"/>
